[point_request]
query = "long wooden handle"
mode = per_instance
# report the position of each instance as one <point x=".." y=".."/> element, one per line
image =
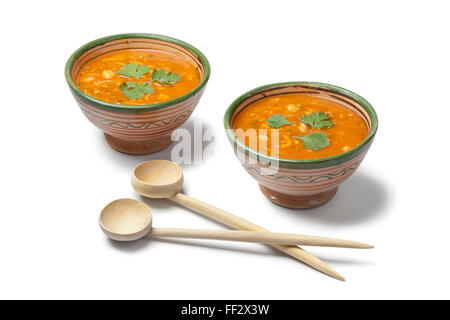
<point x="239" y="223"/>
<point x="257" y="236"/>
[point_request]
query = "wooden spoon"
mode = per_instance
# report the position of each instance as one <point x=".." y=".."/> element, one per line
<point x="164" y="179"/>
<point x="129" y="220"/>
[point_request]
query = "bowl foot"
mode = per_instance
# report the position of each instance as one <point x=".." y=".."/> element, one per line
<point x="139" y="147"/>
<point x="290" y="201"/>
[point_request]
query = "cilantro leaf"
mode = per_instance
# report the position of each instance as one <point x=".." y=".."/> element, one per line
<point x="317" y="120"/>
<point x="134" y="70"/>
<point x="165" y="77"/>
<point x="133" y="90"/>
<point x="315" y="141"/>
<point x="277" y="121"/>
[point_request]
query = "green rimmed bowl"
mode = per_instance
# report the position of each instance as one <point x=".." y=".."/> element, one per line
<point x="137" y="129"/>
<point x="301" y="183"/>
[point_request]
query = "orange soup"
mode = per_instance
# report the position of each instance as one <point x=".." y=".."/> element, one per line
<point x="309" y="127"/>
<point x="137" y="77"/>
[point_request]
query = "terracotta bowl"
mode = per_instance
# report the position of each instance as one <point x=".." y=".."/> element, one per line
<point x="301" y="183"/>
<point x="137" y="129"/>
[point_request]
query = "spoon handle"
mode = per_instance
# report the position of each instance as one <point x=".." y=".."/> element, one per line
<point x="239" y="223"/>
<point x="257" y="236"/>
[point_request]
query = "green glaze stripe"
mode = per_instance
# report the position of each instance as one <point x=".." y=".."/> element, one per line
<point x="331" y="175"/>
<point x="146" y="125"/>
<point x="309" y="179"/>
<point x="293" y="178"/>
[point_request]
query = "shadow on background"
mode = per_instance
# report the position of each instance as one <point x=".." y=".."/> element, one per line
<point x="360" y="199"/>
<point x="345" y="262"/>
<point x="131" y="161"/>
<point x="222" y="245"/>
<point x="134" y="246"/>
<point x="130" y="246"/>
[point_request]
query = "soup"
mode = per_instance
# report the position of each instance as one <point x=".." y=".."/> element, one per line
<point x="308" y="127"/>
<point x="137" y="77"/>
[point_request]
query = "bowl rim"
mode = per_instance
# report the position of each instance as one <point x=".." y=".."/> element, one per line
<point x="307" y="163"/>
<point x="133" y="108"/>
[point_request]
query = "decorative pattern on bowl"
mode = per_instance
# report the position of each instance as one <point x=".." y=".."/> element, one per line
<point x="137" y="129"/>
<point x="301" y="183"/>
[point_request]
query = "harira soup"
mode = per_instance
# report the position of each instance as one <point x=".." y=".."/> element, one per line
<point x="300" y="140"/>
<point x="308" y="126"/>
<point x="137" y="87"/>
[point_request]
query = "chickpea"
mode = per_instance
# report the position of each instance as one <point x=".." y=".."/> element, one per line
<point x="303" y="127"/>
<point x="293" y="107"/>
<point x="107" y="74"/>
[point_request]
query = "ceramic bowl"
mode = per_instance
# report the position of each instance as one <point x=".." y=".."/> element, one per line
<point x="301" y="183"/>
<point x="137" y="129"/>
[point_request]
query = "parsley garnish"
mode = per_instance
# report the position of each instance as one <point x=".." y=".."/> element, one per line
<point x="133" y="90"/>
<point x="277" y="121"/>
<point x="315" y="141"/>
<point x="134" y="70"/>
<point x="317" y="120"/>
<point x="165" y="77"/>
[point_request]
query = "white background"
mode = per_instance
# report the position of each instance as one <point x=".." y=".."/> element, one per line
<point x="58" y="172"/>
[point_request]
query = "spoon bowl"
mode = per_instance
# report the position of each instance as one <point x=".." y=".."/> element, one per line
<point x="126" y="220"/>
<point x="157" y="179"/>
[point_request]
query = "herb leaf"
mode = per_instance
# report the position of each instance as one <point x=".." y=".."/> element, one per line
<point x="317" y="120"/>
<point x="315" y="141"/>
<point x="165" y="77"/>
<point x="277" y="121"/>
<point x="133" y="90"/>
<point x="134" y="70"/>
